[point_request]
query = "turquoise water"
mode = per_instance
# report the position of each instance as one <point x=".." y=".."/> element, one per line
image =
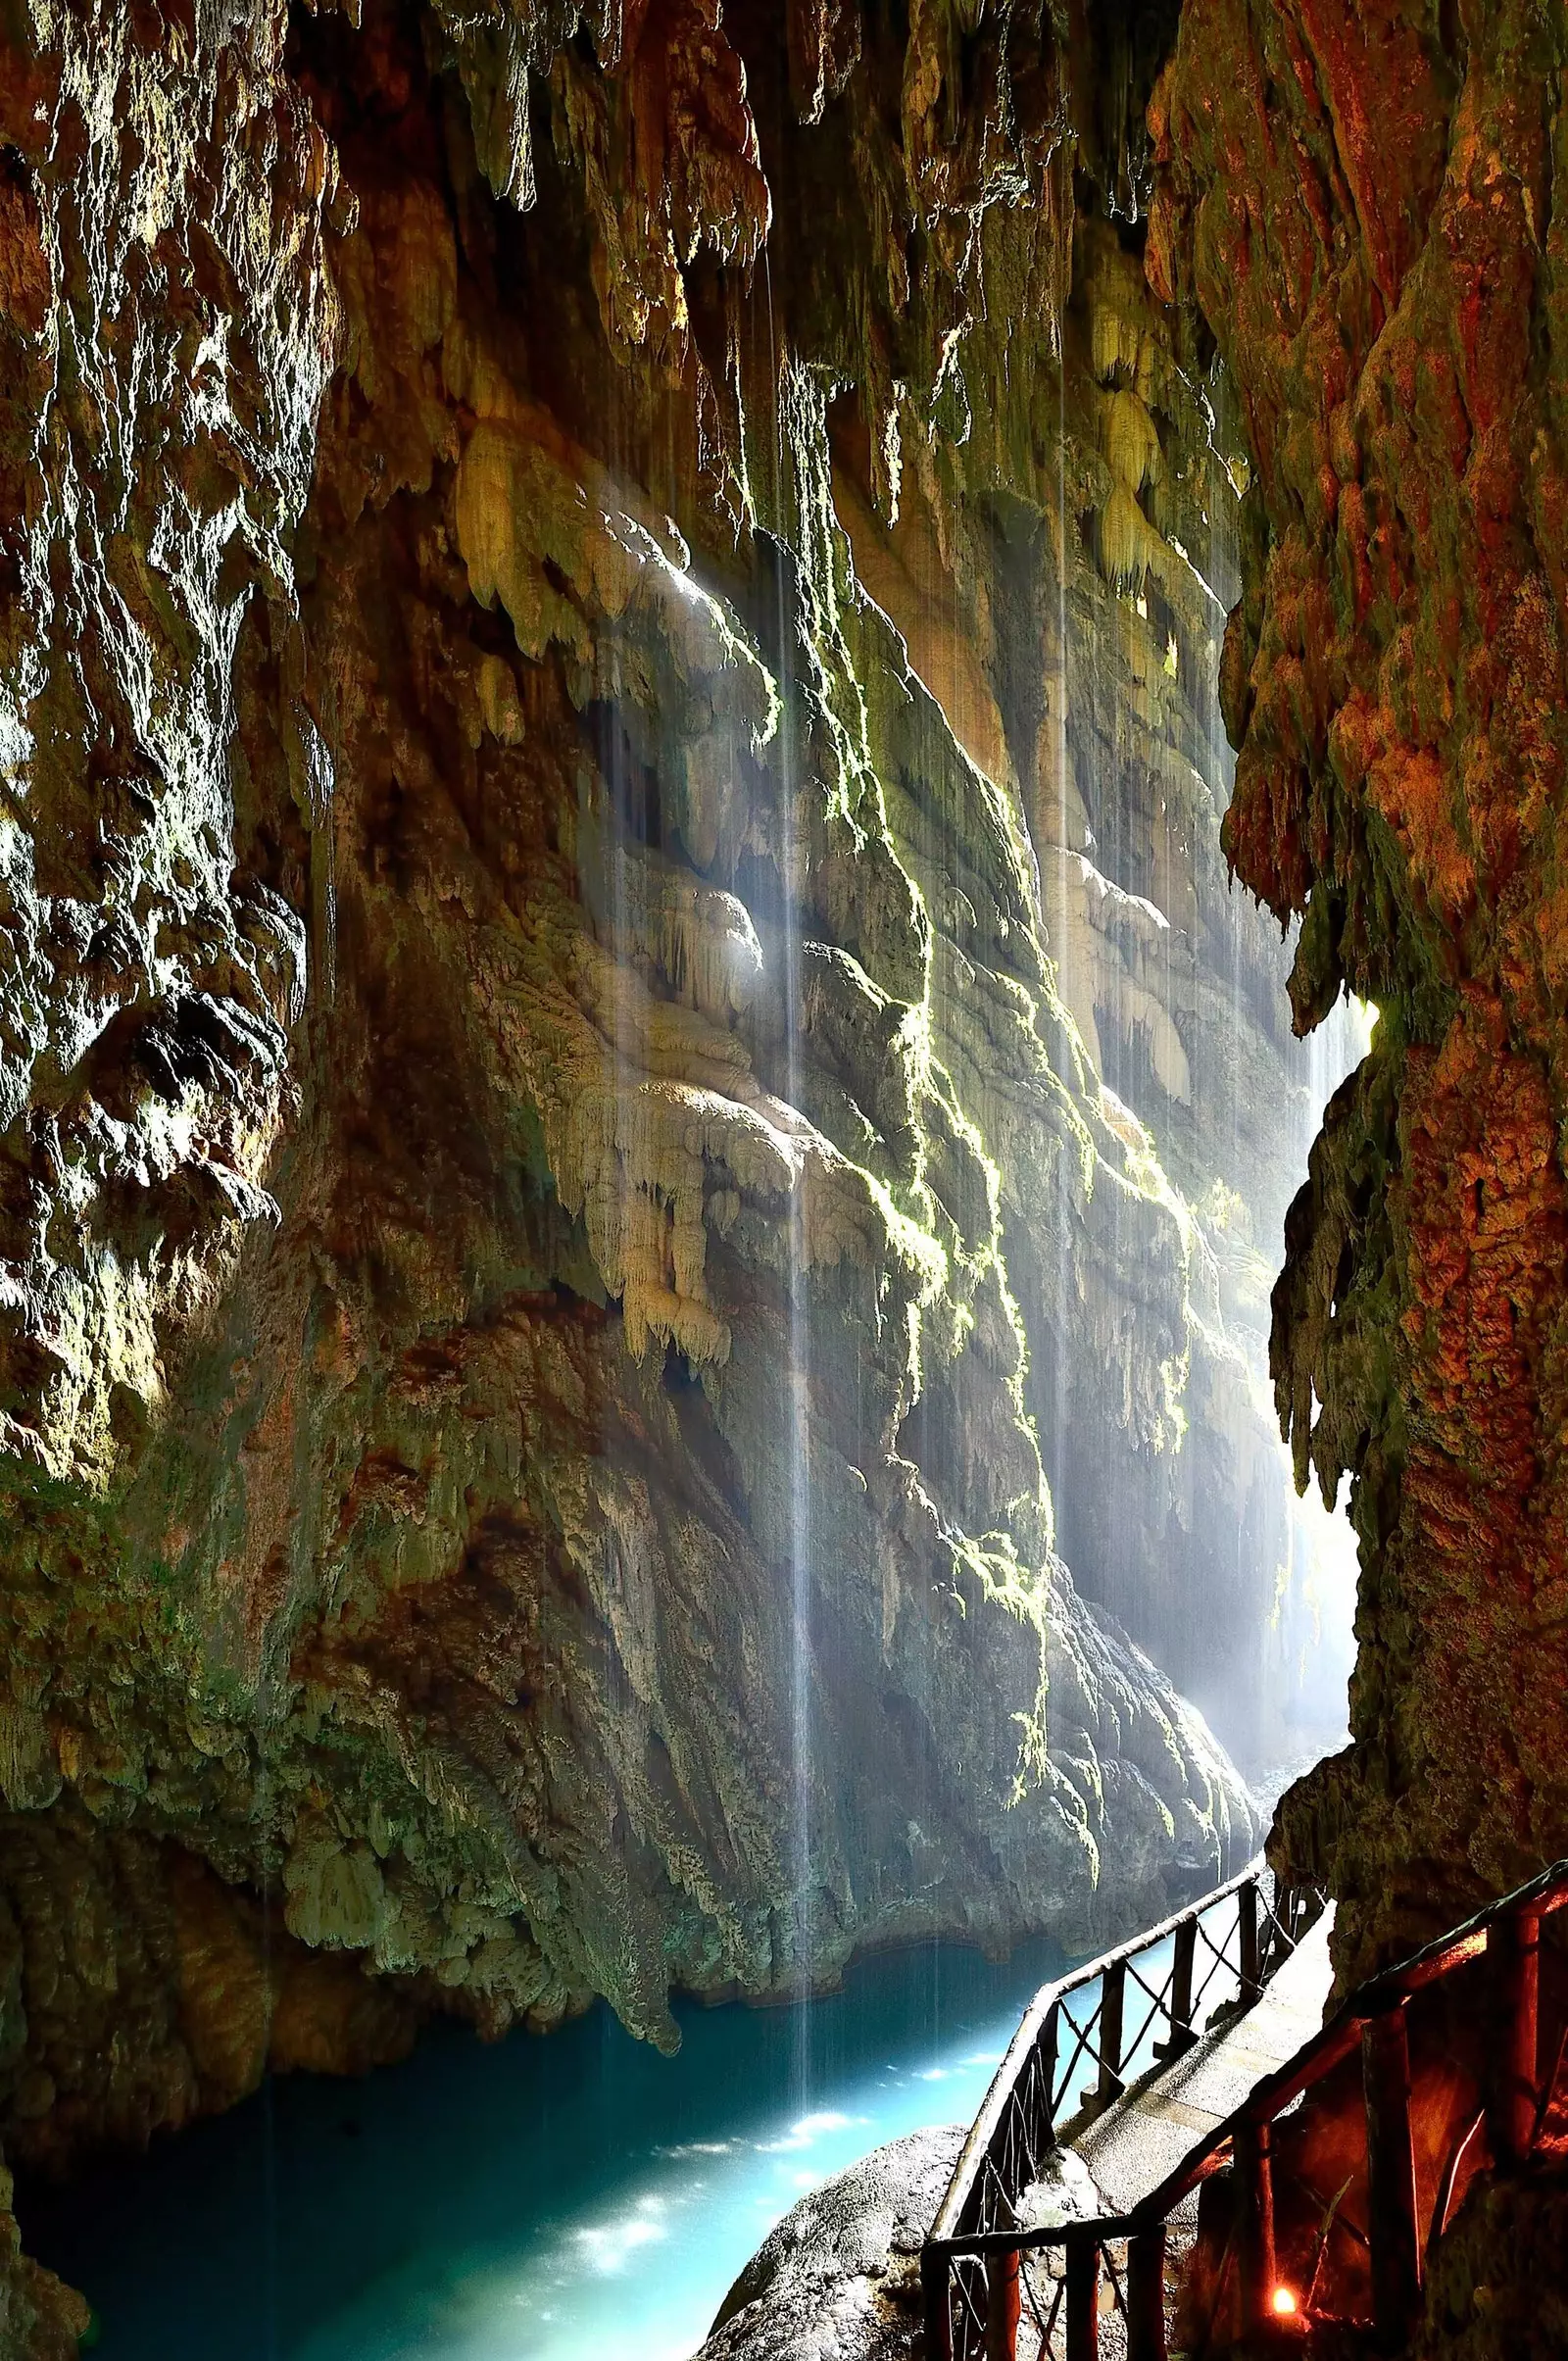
<point x="528" y="2202"/>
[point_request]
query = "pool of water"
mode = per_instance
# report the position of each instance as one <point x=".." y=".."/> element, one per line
<point x="537" y="2199"/>
<point x="528" y="2202"/>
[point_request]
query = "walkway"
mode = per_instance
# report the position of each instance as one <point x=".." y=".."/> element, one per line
<point x="1124" y="2155"/>
<point x="1012" y="2257"/>
<point x="1019" y="2238"/>
<point x="1139" y="2140"/>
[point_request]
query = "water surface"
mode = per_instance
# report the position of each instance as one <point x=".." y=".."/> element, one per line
<point x="534" y="2200"/>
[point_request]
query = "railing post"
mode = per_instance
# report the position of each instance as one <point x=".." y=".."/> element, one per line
<point x="1513" y="1954"/>
<point x="1254" y="2221"/>
<point x="1048" y="2037"/>
<point x="1182" y="2036"/>
<point x="1003" y="2304"/>
<point x="1083" y="2299"/>
<point x="936" y="2275"/>
<point x="1146" y="2294"/>
<point x="1112" y="2000"/>
<point x="1390" y="2174"/>
<point x="1278" y="1935"/>
<point x="1252" y="1957"/>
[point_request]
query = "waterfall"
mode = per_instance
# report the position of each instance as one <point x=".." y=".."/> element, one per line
<point x="798" y="1365"/>
<point x="1062" y="947"/>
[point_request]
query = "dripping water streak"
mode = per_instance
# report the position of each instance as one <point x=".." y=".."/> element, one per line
<point x="1062" y="944"/>
<point x="798" y="1368"/>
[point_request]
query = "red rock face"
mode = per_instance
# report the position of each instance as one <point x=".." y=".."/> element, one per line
<point x="1366" y="203"/>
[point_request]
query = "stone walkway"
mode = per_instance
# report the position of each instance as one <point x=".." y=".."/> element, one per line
<point x="1130" y="2149"/>
<point x="1144" y="2137"/>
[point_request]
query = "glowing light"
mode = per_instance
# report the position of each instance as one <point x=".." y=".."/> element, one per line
<point x="1284" y="2302"/>
<point x="609" y="2245"/>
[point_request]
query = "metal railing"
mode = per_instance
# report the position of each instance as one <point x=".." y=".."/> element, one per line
<point x="1071" y="2056"/>
<point x="1501" y="1941"/>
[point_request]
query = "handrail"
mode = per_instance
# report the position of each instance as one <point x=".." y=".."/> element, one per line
<point x="1506" y="1932"/>
<point x="1033" y="2023"/>
<point x="1372" y="2002"/>
<point x="1017" y="2123"/>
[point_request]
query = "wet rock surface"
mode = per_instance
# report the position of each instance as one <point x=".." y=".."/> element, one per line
<point x="839" y="2276"/>
<point x="839" y="2279"/>
<point x="635" y="1107"/>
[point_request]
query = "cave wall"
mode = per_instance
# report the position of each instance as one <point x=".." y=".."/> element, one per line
<point x="611" y="793"/>
<point x="1365" y="205"/>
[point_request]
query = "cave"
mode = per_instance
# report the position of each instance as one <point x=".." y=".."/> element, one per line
<point x="783" y="1242"/>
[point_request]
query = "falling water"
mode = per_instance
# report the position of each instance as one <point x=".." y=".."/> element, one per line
<point x="608" y="819"/>
<point x="623" y="1080"/>
<point x="1224" y="580"/>
<point x="1062" y="947"/>
<point x="798" y="1361"/>
<point x="797" y="1383"/>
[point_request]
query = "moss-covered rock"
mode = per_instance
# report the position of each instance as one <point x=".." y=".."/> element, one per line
<point x="628" y="1064"/>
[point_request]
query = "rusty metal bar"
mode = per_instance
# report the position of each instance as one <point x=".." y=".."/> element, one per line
<point x="1112" y="2003"/>
<point x="1082" y="2036"/>
<point x="1390" y="2174"/>
<point x="1045" y="2324"/>
<point x="1046" y="2052"/>
<point x="1279" y="1937"/>
<point x="1146" y="2295"/>
<point x="1247" y="1921"/>
<point x="936" y="2284"/>
<point x="1513" y="1956"/>
<point x="1182" y="2036"/>
<point x="1254" y="2221"/>
<point x="1083" y="2298"/>
<point x="1159" y="2006"/>
<point x="1002" y="2305"/>
<point x="1443" y="2202"/>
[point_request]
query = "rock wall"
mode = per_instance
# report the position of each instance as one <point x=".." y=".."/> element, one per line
<point x="1366" y="206"/>
<point x="635" y="1106"/>
<point x="1064" y="554"/>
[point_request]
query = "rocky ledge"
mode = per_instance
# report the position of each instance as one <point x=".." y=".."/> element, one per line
<point x="839" y="2280"/>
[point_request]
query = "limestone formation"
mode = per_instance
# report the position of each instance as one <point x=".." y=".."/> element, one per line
<point x="635" y="1104"/>
<point x="1394" y="675"/>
